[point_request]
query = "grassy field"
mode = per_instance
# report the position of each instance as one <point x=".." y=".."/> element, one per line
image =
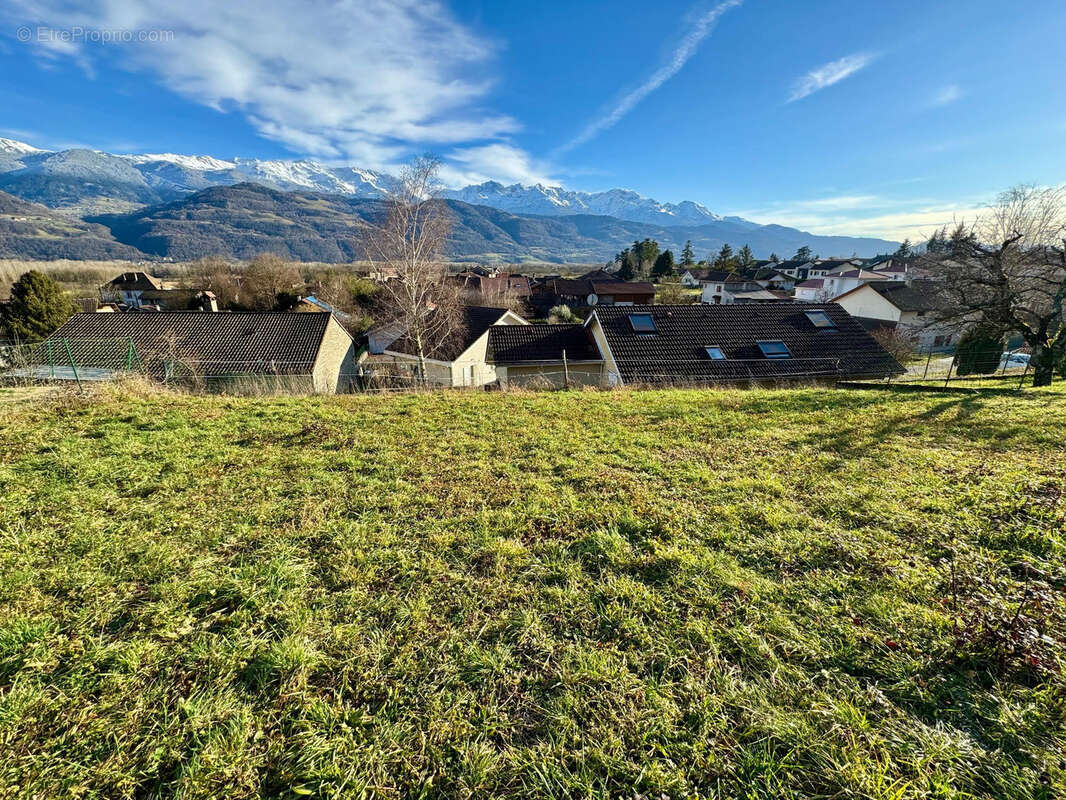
<point x="808" y="593"/>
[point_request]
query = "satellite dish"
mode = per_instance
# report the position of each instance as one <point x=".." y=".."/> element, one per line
<point x="591" y="299"/>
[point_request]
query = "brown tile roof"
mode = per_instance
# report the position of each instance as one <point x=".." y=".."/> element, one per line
<point x="676" y="351"/>
<point x="622" y="287"/>
<point x="134" y="281"/>
<point x="516" y="344"/>
<point x="270" y="343"/>
<point x="907" y="296"/>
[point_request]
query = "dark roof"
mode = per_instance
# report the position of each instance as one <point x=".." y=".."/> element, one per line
<point x="676" y="351"/>
<point x="131" y="281"/>
<point x="597" y="275"/>
<point x="913" y="296"/>
<point x="769" y="272"/>
<point x="515" y="344"/>
<point x="583" y="288"/>
<point x="833" y="263"/>
<point x="475" y="321"/>
<point x="715" y="275"/>
<point x="238" y="342"/>
<point x="792" y="263"/>
<point x="622" y="287"/>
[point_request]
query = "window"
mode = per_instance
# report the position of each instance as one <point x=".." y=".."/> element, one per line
<point x="643" y="323"/>
<point x="820" y="319"/>
<point x="715" y="352"/>
<point x="774" y="350"/>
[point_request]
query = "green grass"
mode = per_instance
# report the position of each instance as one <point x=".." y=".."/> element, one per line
<point x="599" y="594"/>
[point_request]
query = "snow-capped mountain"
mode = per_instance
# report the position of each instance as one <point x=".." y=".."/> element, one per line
<point x="557" y="201"/>
<point x="11" y="146"/>
<point x="168" y="176"/>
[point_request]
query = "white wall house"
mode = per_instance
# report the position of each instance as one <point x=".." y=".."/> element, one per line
<point x="469" y="366"/>
<point x="909" y="306"/>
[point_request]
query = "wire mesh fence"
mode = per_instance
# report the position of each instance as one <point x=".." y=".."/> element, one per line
<point x="77" y="360"/>
<point x="941" y="368"/>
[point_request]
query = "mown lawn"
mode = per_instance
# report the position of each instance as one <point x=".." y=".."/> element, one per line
<point x="809" y="593"/>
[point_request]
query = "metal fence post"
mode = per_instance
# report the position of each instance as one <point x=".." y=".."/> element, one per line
<point x="73" y="366"/>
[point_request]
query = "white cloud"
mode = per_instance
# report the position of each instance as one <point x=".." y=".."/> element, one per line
<point x="701" y="27"/>
<point x="828" y="74"/>
<point x="369" y="81"/>
<point x="868" y="215"/>
<point x="498" y="161"/>
<point x="945" y="96"/>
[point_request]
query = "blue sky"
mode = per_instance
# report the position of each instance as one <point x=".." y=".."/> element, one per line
<point x="832" y="116"/>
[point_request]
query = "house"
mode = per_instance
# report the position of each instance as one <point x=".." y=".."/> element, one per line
<point x="543" y="355"/>
<point x="906" y="306"/>
<point x="811" y="290"/>
<point x="734" y="343"/>
<point x="128" y="288"/>
<point x="823" y="266"/>
<point x="694" y="278"/>
<point x="229" y="351"/>
<point x="836" y="282"/>
<point x="736" y="290"/>
<point x="770" y="278"/>
<point x="795" y="268"/>
<point x="133" y="291"/>
<point x="495" y="346"/>
<point x="493" y="284"/>
<point x="580" y="293"/>
<point x="460" y="358"/>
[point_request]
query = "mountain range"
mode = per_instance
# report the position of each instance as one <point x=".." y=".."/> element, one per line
<point x="142" y="199"/>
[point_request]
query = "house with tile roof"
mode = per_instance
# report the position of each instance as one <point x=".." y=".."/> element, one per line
<point x="224" y="351"/>
<point x="460" y="357"/>
<point x="581" y="293"/>
<point x="497" y="346"/>
<point x="722" y="344"/>
<point x="544" y="355"/>
<point x="907" y="306"/>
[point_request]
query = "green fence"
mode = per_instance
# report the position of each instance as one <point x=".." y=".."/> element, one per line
<point x="77" y="360"/>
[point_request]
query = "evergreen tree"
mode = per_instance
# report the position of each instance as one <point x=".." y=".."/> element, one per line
<point x="625" y="267"/>
<point x="978" y="351"/>
<point x="938" y="242"/>
<point x="745" y="258"/>
<point x="38" y="306"/>
<point x="724" y="260"/>
<point x="687" y="256"/>
<point x="803" y="254"/>
<point x="904" y="250"/>
<point x="774" y="258"/>
<point x="664" y="265"/>
<point x="649" y="251"/>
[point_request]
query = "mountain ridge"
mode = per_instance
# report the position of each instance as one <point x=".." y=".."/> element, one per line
<point x="245" y="219"/>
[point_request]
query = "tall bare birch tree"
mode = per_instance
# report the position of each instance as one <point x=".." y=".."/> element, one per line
<point x="409" y="244"/>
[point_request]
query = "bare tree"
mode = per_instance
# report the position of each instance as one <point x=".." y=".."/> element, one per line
<point x="1008" y="271"/>
<point x="216" y="274"/>
<point x="268" y="280"/>
<point x="409" y="243"/>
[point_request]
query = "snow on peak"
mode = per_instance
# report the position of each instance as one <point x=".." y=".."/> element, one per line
<point x="203" y="163"/>
<point x="19" y="148"/>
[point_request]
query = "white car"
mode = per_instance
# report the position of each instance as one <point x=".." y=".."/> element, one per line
<point x="1014" y="360"/>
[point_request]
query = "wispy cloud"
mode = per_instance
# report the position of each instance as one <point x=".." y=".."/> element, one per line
<point x="828" y="74"/>
<point x="946" y="96"/>
<point x="690" y="42"/>
<point x="368" y="82"/>
<point x="496" y="161"/>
